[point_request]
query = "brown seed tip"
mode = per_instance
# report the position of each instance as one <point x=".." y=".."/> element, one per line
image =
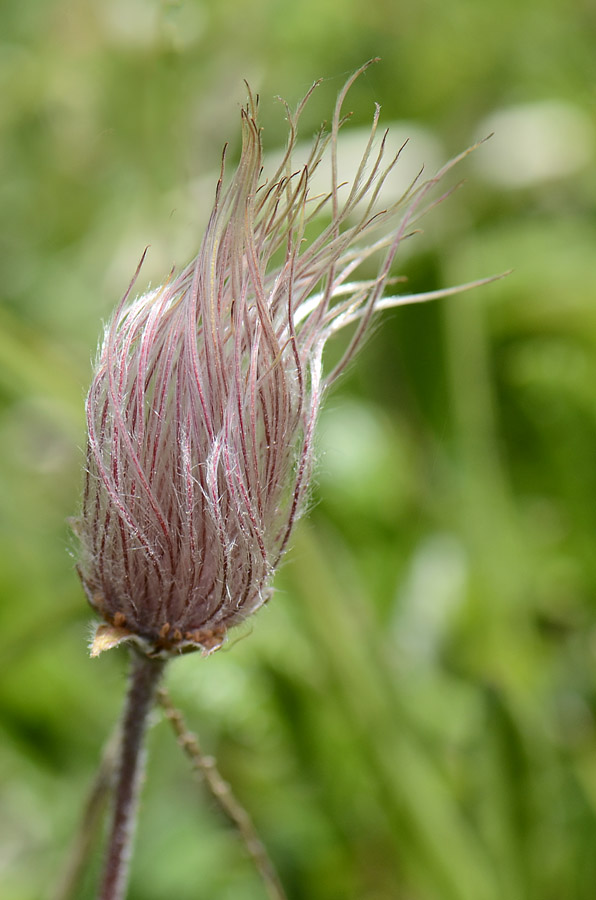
<point x="212" y="640"/>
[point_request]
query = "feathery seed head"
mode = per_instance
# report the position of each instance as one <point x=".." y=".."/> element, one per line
<point x="206" y="392"/>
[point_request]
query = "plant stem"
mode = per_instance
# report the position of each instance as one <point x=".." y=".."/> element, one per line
<point x="145" y="674"/>
<point x="222" y="792"/>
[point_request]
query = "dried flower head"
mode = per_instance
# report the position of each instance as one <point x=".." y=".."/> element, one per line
<point x="206" y="392"/>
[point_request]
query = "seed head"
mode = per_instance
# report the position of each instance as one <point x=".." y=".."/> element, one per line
<point x="206" y="391"/>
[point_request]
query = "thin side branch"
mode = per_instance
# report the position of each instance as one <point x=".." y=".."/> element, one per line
<point x="206" y="767"/>
<point x="84" y="841"/>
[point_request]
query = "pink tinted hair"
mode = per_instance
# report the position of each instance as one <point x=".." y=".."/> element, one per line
<point x="206" y="392"/>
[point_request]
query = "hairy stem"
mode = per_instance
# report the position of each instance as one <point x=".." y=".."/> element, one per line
<point x="235" y="812"/>
<point x="145" y="674"/>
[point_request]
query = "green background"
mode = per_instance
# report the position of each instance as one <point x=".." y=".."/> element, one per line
<point x="413" y="716"/>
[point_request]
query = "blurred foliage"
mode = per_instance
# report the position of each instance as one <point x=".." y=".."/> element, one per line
<point x="413" y="716"/>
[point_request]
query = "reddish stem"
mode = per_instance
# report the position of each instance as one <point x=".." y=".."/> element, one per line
<point x="144" y="677"/>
